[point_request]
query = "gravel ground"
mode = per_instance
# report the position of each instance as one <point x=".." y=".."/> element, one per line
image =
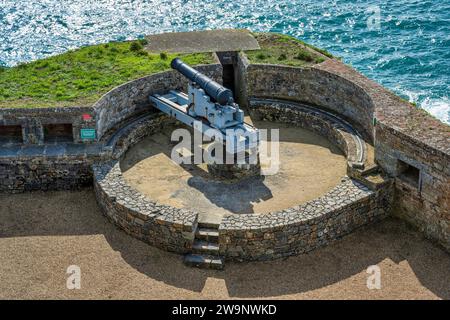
<point x="41" y="234"/>
<point x="309" y="167"/>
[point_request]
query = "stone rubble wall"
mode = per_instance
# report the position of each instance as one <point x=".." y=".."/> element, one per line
<point x="303" y="228"/>
<point x="162" y="226"/>
<point x="336" y="130"/>
<point x="406" y="133"/>
<point x="425" y="204"/>
<point x="21" y="176"/>
<point x="32" y="121"/>
<point x="314" y="87"/>
<point x="39" y="172"/>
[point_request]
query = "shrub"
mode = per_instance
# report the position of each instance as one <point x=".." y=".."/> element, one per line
<point x="320" y="60"/>
<point x="163" y="56"/>
<point x="261" y="56"/>
<point x="136" y="46"/>
<point x="141" y="53"/>
<point x="305" y="56"/>
<point x="282" y="56"/>
<point x="143" y="41"/>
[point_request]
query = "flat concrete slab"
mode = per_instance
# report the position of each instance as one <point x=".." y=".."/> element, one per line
<point x="202" y="41"/>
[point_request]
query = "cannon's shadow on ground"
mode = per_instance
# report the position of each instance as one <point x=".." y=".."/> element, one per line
<point x="203" y="189"/>
<point x="77" y="214"/>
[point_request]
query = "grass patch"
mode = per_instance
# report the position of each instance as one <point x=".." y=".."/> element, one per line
<point x="288" y="39"/>
<point x="285" y="50"/>
<point x="82" y="76"/>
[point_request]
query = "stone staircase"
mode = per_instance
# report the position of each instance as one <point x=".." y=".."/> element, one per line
<point x="371" y="176"/>
<point x="205" y="249"/>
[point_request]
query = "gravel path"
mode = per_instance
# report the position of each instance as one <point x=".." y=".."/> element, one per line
<point x="41" y="234"/>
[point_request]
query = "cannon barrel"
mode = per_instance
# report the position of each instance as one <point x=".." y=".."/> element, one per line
<point x="219" y="93"/>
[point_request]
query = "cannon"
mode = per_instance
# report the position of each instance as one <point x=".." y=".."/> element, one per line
<point x="219" y="93"/>
<point x="208" y="105"/>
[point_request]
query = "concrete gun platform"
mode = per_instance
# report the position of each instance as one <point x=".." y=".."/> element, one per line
<point x="202" y="41"/>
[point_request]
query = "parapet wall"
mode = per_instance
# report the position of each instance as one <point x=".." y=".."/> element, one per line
<point x="303" y="228"/>
<point x="410" y="145"/>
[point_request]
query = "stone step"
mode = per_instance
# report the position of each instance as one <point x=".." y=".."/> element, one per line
<point x="200" y="246"/>
<point x="204" y="261"/>
<point x="373" y="168"/>
<point x="208" y="225"/>
<point x="372" y="177"/>
<point x="207" y="234"/>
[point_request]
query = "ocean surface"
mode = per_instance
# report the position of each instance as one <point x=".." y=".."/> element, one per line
<point x="403" y="44"/>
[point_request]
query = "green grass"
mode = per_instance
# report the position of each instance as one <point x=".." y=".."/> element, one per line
<point x="285" y="50"/>
<point x="80" y="77"/>
<point x="287" y="39"/>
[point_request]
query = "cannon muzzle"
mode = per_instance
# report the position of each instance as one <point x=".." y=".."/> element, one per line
<point x="219" y="93"/>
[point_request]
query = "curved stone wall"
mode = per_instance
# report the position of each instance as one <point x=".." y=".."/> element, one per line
<point x="300" y="229"/>
<point x="311" y="86"/>
<point x="404" y="136"/>
<point x="407" y="137"/>
<point x="303" y="228"/>
<point x="246" y="236"/>
<point x="336" y="130"/>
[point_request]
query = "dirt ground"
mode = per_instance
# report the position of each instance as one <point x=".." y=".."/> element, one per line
<point x="309" y="167"/>
<point x="41" y="234"/>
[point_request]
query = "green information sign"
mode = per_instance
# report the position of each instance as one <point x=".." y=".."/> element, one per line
<point x="88" y="134"/>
